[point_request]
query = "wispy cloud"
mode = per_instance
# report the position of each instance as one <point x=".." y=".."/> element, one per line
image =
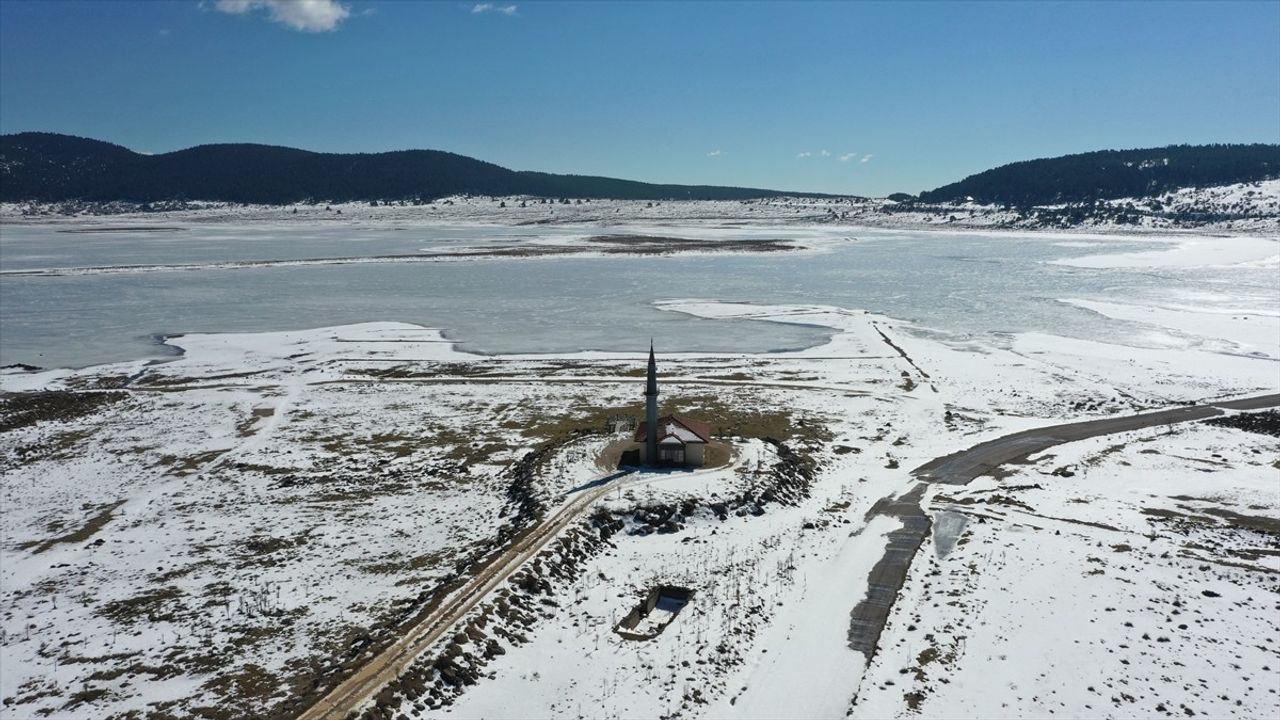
<point x="301" y="15"/>
<point x="480" y="8"/>
<point x="715" y="153"/>
<point x="843" y="157"/>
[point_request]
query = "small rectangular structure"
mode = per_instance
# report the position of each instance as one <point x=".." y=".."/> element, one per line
<point x="658" y="610"/>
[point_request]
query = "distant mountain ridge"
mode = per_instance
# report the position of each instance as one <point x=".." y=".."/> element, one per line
<point x="1111" y="174"/>
<point x="49" y="167"/>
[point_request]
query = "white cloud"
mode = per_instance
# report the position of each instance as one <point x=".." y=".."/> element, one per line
<point x="302" y="15"/>
<point x="479" y="8"/>
<point x="826" y="153"/>
<point x="804" y="155"/>
<point x="848" y="156"/>
<point x="866" y="158"/>
<point x="715" y="153"/>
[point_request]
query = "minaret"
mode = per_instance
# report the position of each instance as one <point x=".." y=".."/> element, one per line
<point x="651" y="412"/>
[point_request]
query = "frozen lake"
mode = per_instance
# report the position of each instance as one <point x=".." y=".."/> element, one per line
<point x="966" y="284"/>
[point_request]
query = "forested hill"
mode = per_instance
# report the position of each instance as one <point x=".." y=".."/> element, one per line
<point x="1110" y="174"/>
<point x="50" y="167"/>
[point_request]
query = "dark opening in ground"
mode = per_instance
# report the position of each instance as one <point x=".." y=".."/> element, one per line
<point x="658" y="610"/>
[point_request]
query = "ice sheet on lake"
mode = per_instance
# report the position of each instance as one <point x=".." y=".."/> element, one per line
<point x="960" y="282"/>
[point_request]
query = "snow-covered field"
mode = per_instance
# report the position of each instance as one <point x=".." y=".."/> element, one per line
<point x="1136" y="581"/>
<point x="226" y="533"/>
<point x="1239" y="208"/>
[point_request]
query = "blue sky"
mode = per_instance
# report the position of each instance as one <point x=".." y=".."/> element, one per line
<point x="899" y="96"/>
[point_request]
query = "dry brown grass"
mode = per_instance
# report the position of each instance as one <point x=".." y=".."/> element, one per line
<point x="60" y="446"/>
<point x="249" y="426"/>
<point x="401" y="564"/>
<point x="190" y="464"/>
<point x="154" y="605"/>
<point x="726" y="418"/>
<point x="82" y="533"/>
<point x="580" y="415"/>
<point x="21" y="410"/>
<point x="739" y="421"/>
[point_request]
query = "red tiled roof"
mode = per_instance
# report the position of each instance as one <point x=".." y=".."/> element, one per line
<point x="701" y="429"/>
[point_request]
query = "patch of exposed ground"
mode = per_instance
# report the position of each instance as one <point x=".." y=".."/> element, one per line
<point x="1266" y="422"/>
<point x="91" y="526"/>
<point x="606" y="245"/>
<point x="655" y="245"/>
<point x="20" y="410"/>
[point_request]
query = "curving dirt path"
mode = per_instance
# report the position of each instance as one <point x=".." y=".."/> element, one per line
<point x="349" y="695"/>
<point x="961" y="467"/>
<point x="868" y="618"/>
<point x="385" y="667"/>
<point x="884" y="583"/>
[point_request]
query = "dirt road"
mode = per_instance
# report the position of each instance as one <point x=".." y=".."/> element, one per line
<point x="887" y="576"/>
<point x="868" y="618"/>
<point x="959" y="468"/>
<point x="349" y="695"/>
<point x="392" y="662"/>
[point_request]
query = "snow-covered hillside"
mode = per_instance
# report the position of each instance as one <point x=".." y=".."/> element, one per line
<point x="1241" y="208"/>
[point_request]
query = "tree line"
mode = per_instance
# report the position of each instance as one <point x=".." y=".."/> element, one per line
<point x="1110" y="174"/>
<point x="50" y="167"/>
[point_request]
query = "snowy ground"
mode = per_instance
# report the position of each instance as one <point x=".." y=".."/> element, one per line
<point x="1242" y="208"/>
<point x="1142" y="584"/>
<point x="239" y="523"/>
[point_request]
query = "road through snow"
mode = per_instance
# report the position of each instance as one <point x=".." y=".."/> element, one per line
<point x="868" y="618"/>
<point x="385" y="667"/>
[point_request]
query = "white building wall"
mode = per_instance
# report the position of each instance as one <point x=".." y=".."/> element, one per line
<point x="694" y="454"/>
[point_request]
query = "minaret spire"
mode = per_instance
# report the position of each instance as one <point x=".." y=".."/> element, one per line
<point x="651" y="411"/>
<point x="651" y="387"/>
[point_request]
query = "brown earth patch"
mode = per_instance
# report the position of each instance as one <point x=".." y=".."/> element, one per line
<point x="21" y="410"/>
<point x="82" y="533"/>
